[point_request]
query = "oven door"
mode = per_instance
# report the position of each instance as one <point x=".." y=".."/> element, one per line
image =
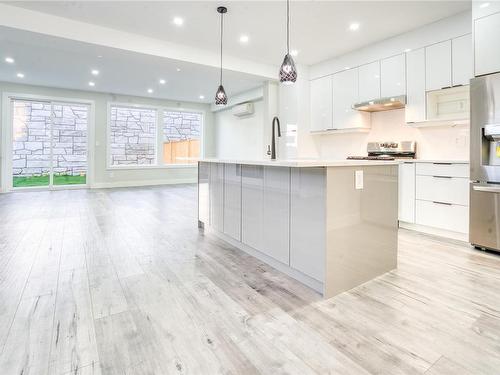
<point x="485" y="215"/>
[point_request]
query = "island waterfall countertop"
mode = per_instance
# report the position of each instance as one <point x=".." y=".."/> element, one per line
<point x="331" y="224"/>
<point x="297" y="163"/>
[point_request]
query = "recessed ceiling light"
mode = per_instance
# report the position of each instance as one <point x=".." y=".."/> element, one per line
<point x="484" y="5"/>
<point x="354" y="26"/>
<point x="408" y="50"/>
<point x="294" y="52"/>
<point x="162" y="81"/>
<point x="91" y="83"/>
<point x="202" y="96"/>
<point x="244" y="39"/>
<point x="346" y="68"/>
<point x="9" y="60"/>
<point x="99" y="56"/>
<point x="178" y="69"/>
<point x="95" y="72"/>
<point x="20" y="75"/>
<point x="150" y="91"/>
<point x="178" y="21"/>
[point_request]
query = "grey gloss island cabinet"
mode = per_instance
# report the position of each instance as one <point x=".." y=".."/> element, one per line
<point x="330" y="225"/>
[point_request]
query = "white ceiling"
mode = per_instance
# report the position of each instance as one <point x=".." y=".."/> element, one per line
<point x="57" y="62"/>
<point x="319" y="29"/>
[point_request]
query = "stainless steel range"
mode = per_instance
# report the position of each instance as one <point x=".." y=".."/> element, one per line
<point x="388" y="151"/>
<point x="484" y="223"/>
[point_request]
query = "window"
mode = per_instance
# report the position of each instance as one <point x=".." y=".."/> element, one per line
<point x="181" y="137"/>
<point x="132" y="138"/>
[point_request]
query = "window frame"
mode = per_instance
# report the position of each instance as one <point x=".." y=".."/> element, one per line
<point x="159" y="136"/>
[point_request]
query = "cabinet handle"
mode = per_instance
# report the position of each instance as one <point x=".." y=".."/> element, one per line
<point x="487" y="189"/>
<point x="443" y="203"/>
<point x="442" y="176"/>
<point x="446" y="87"/>
<point x="457" y="85"/>
<point x="441" y="163"/>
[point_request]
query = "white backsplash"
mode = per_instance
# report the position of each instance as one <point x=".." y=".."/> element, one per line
<point x="442" y="142"/>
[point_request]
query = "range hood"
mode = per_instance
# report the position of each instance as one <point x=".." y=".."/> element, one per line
<point x="382" y="104"/>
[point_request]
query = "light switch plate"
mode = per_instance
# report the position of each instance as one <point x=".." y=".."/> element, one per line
<point x="358" y="180"/>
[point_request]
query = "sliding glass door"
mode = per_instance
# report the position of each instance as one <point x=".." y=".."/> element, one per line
<point x="49" y="144"/>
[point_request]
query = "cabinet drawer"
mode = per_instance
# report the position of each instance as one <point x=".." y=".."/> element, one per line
<point x="444" y="216"/>
<point x="443" y="189"/>
<point x="443" y="169"/>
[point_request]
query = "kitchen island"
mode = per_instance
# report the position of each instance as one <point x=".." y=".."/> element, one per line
<point x="332" y="225"/>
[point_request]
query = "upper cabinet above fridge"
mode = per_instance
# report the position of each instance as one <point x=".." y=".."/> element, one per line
<point x="437" y="82"/>
<point x="486" y="38"/>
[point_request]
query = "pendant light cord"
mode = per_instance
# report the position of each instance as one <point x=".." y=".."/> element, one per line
<point x="287" y="27"/>
<point x="221" y="36"/>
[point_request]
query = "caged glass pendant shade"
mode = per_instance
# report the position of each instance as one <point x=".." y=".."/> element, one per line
<point x="288" y="72"/>
<point x="220" y="96"/>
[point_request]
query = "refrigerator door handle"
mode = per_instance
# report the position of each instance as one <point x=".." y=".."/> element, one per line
<point x="486" y="189"/>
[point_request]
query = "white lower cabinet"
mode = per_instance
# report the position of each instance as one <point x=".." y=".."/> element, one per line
<point x="276" y="213"/>
<point x="444" y="189"/>
<point x="445" y="216"/>
<point x="440" y="195"/>
<point x="252" y="205"/>
<point x="216" y="192"/>
<point x="307" y="231"/>
<point x="232" y="200"/>
<point x="406" y="192"/>
<point x="265" y="199"/>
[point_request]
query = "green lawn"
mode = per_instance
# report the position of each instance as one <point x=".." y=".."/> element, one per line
<point x="44" y="180"/>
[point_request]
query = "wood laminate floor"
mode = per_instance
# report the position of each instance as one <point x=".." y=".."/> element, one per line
<point x="121" y="282"/>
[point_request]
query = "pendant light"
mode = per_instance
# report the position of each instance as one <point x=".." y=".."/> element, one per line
<point x="220" y="95"/>
<point x="288" y="72"/>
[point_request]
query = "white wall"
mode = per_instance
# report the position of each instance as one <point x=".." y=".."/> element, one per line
<point x="124" y="177"/>
<point x="246" y="137"/>
<point x="239" y="137"/>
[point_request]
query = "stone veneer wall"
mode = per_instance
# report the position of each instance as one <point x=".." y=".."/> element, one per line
<point x="180" y="126"/>
<point x="32" y="138"/>
<point x="132" y="136"/>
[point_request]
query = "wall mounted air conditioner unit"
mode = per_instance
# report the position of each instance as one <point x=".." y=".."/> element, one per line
<point x="244" y="109"/>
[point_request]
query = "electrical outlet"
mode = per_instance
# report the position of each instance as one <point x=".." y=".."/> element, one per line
<point x="358" y="180"/>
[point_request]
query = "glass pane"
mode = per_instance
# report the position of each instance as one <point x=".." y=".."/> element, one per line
<point x="31" y="144"/>
<point x="181" y="137"/>
<point x="69" y="140"/>
<point x="132" y="136"/>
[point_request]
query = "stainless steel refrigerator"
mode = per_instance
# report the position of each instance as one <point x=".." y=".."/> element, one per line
<point x="484" y="227"/>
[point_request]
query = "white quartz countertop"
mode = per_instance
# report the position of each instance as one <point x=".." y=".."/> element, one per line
<point x="435" y="161"/>
<point x="303" y="162"/>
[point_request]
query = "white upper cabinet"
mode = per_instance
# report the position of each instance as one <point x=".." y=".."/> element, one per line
<point x="486" y="44"/>
<point x="393" y="76"/>
<point x="345" y="94"/>
<point x="369" y="81"/>
<point x="321" y="104"/>
<point x="438" y="66"/>
<point x="461" y="60"/>
<point x="415" y="90"/>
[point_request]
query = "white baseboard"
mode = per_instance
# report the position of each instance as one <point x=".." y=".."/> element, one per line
<point x="118" y="184"/>
<point x="435" y="231"/>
